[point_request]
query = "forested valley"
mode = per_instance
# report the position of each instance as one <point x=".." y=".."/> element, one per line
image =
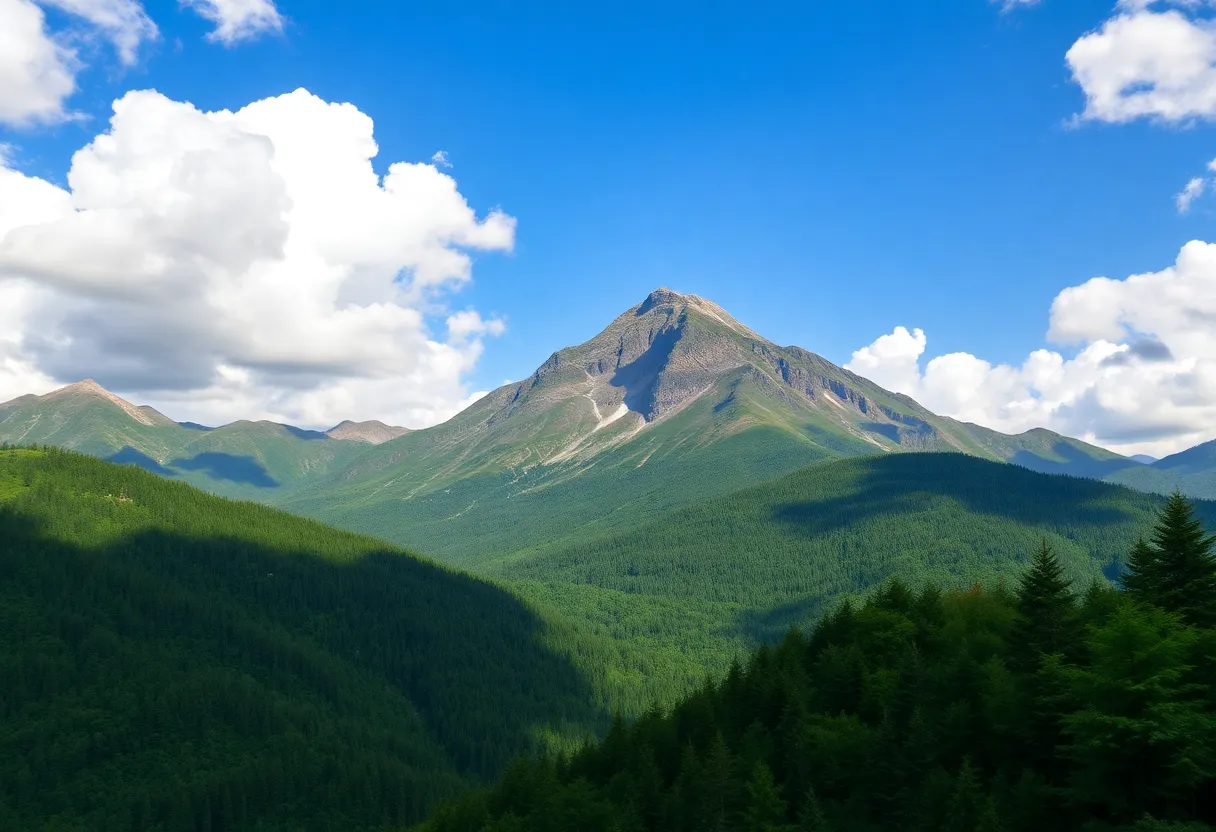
<point x="173" y="660"/>
<point x="1036" y="706"/>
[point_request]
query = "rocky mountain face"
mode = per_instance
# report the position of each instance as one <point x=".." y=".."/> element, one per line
<point x="675" y="400"/>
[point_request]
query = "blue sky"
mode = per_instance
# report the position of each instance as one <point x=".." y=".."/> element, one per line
<point x="826" y="172"/>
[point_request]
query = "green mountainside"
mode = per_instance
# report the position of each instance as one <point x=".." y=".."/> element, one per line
<point x="1192" y="472"/>
<point x="249" y="460"/>
<point x="172" y="660"/>
<point x="673" y="403"/>
<point x="702" y="583"/>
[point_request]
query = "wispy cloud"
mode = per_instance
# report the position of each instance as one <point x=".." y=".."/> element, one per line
<point x="238" y="20"/>
<point x="1193" y="190"/>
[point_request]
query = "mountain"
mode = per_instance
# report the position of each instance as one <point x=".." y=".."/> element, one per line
<point x="372" y="431"/>
<point x="1144" y="459"/>
<point x="173" y="660"/>
<point x="674" y="402"/>
<point x="250" y="460"/>
<point x="1192" y="472"/>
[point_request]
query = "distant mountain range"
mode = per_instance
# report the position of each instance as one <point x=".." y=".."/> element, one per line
<point x="674" y="402"/>
<point x="242" y="459"/>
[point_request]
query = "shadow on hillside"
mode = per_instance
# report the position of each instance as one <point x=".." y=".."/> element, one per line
<point x="301" y="433"/>
<point x="228" y="467"/>
<point x="906" y="484"/>
<point x="195" y="426"/>
<point x="769" y="626"/>
<point x="1076" y="462"/>
<point x="640" y="377"/>
<point x="466" y="656"/>
<point x="130" y="456"/>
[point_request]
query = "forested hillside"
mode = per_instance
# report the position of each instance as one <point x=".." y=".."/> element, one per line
<point x="1041" y="706"/>
<point x="172" y="660"/>
<point x="1193" y="472"/>
<point x="701" y="584"/>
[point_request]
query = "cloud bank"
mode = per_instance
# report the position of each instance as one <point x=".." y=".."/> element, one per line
<point x="246" y="264"/>
<point x="1142" y="379"/>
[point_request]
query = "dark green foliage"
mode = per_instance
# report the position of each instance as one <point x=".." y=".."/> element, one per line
<point x="1180" y="573"/>
<point x="1143" y="574"/>
<point x="961" y="711"/>
<point x="171" y="660"/>
<point x="1047" y="617"/>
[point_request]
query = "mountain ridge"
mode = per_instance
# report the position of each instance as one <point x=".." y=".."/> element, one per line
<point x="674" y="400"/>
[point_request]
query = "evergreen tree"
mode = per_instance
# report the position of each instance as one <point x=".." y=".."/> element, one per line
<point x="764" y="810"/>
<point x="1047" y="621"/>
<point x="1143" y="575"/>
<point x="967" y="803"/>
<point x="811" y="818"/>
<point x="1187" y="579"/>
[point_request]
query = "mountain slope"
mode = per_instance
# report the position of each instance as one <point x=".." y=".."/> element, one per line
<point x="174" y="660"/>
<point x="674" y="402"/>
<point x="706" y="581"/>
<point x="1192" y="472"/>
<point x="251" y="460"/>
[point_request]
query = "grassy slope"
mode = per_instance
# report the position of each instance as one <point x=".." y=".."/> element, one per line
<point x="170" y="654"/>
<point x="706" y="581"/>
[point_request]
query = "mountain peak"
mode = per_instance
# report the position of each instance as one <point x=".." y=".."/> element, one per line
<point x="372" y="431"/>
<point x="90" y="389"/>
<point x="661" y="296"/>
<point x="669" y="301"/>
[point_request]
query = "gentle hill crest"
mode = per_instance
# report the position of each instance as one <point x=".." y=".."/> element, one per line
<point x="373" y="431"/>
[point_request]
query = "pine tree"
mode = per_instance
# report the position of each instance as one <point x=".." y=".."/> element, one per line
<point x="1047" y="620"/>
<point x="811" y="818"/>
<point x="967" y="802"/>
<point x="1143" y="573"/>
<point x="1187" y="579"/>
<point x="764" y="810"/>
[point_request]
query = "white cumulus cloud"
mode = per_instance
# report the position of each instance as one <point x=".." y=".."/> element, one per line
<point x="1148" y="61"/>
<point x="246" y="264"/>
<point x="1142" y="379"/>
<point x="37" y="73"/>
<point x="238" y="20"/>
<point x="38" y="66"/>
